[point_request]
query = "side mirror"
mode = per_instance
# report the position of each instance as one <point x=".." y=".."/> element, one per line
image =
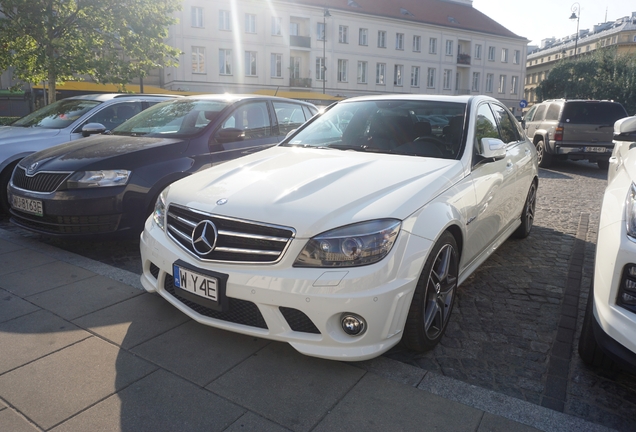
<point x="625" y="129"/>
<point x="93" y="128"/>
<point x="290" y="133"/>
<point x="492" y="148"/>
<point x="230" y="135"/>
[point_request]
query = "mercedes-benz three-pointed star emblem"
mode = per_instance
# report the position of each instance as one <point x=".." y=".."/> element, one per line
<point x="204" y="237"/>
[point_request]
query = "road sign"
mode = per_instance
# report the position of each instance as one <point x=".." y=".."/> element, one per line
<point x="523" y="103"/>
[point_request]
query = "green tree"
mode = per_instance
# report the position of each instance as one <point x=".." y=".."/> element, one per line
<point x="110" y="40"/>
<point x="602" y="75"/>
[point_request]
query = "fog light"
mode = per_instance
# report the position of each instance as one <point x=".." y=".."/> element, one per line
<point x="353" y="325"/>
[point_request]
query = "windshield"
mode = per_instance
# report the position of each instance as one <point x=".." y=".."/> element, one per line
<point x="180" y="118"/>
<point x="58" y="115"/>
<point x="418" y="128"/>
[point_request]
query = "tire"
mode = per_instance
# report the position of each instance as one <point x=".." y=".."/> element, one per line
<point x="603" y="164"/>
<point x="545" y="159"/>
<point x="589" y="350"/>
<point x="527" y="214"/>
<point x="434" y="296"/>
<point x="5" y="176"/>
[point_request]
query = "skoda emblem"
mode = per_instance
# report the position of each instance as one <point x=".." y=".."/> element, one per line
<point x="204" y="237"/>
<point x="221" y="201"/>
<point x="32" y="168"/>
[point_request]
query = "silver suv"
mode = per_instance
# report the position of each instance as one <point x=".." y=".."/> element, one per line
<point x="63" y="121"/>
<point x="573" y="129"/>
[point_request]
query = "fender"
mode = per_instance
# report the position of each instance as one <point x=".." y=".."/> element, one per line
<point x="13" y="158"/>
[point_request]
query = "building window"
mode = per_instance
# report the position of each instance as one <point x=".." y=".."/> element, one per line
<point x="277" y="23"/>
<point x="432" y="46"/>
<point x="517" y="57"/>
<point x="277" y="65"/>
<point x="513" y="85"/>
<point x="321" y="66"/>
<point x="363" y="37"/>
<point x="489" y="82"/>
<point x="250" y="23"/>
<point x="250" y="63"/>
<point x="491" y="53"/>
<point x="380" y="73"/>
<point x="343" y="34"/>
<point x="398" y="72"/>
<point x="362" y="72"/>
<point x="587" y="48"/>
<point x="502" y="84"/>
<point x="399" y="41"/>
<point x="381" y="39"/>
<point x="198" y="59"/>
<point x="475" y="81"/>
<point x="225" y="62"/>
<point x="415" y="76"/>
<point x="343" y="67"/>
<point x="293" y="29"/>
<point x="448" y="75"/>
<point x="294" y="67"/>
<point x="320" y="31"/>
<point x="224" y="20"/>
<point x="197" y="16"/>
<point x="430" y="78"/>
<point x="478" y="52"/>
<point x="417" y="43"/>
<point x="504" y="55"/>
<point x="449" y="47"/>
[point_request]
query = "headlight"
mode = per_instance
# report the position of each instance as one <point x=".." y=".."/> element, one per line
<point x="630" y="211"/>
<point x="159" y="214"/>
<point x="104" y="178"/>
<point x="352" y="245"/>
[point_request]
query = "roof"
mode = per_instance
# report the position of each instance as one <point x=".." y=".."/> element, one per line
<point x="445" y="13"/>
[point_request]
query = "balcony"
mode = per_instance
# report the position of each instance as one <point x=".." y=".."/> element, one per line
<point x="300" y="82"/>
<point x="463" y="59"/>
<point x="300" y="41"/>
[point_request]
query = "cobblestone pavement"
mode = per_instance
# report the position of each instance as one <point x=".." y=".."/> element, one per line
<point x="512" y="329"/>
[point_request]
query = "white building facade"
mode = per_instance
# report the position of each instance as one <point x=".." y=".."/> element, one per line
<point x="345" y="48"/>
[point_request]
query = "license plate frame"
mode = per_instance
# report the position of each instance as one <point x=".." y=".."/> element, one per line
<point x="27" y="205"/>
<point x="201" y="286"/>
<point x="593" y="149"/>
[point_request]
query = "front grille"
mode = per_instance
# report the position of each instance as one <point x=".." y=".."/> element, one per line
<point x="39" y="182"/>
<point x="237" y="241"/>
<point x="67" y="224"/>
<point x="298" y="320"/>
<point x="238" y="311"/>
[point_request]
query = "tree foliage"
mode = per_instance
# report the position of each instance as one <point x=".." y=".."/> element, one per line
<point x="602" y="75"/>
<point x="110" y="40"/>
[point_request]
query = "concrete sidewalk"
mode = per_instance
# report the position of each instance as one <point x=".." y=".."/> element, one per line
<point x="83" y="347"/>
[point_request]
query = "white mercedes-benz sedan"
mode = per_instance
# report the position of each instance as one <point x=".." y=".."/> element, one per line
<point x="354" y="232"/>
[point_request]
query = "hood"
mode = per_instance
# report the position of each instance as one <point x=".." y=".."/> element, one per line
<point x="314" y="190"/>
<point x="103" y="152"/>
<point x="13" y="134"/>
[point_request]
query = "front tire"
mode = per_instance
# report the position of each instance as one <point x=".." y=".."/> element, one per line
<point x="545" y="159"/>
<point x="5" y="177"/>
<point x="527" y="214"/>
<point x="603" y="164"/>
<point x="434" y="296"/>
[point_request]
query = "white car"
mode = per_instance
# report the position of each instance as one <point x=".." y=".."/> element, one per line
<point x="608" y="335"/>
<point x="348" y="236"/>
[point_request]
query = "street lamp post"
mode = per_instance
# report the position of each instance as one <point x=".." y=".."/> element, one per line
<point x="576" y="7"/>
<point x="325" y="15"/>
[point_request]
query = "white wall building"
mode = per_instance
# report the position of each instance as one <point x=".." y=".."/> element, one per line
<point x="345" y="48"/>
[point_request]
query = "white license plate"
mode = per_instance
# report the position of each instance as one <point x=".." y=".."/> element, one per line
<point x="27" y="205"/>
<point x="595" y="149"/>
<point x="196" y="283"/>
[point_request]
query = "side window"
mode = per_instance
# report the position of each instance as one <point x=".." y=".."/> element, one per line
<point x="540" y="112"/>
<point x="289" y="115"/>
<point x="507" y="125"/>
<point x="309" y="113"/>
<point x="485" y="127"/>
<point x="252" y="119"/>
<point x="114" y="115"/>
<point x="553" y="112"/>
<point x="529" y="114"/>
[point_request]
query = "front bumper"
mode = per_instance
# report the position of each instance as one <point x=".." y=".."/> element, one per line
<point x="380" y="293"/>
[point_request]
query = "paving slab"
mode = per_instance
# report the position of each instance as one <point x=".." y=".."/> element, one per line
<point x="380" y="404"/>
<point x="286" y="387"/>
<point x="22" y="259"/>
<point x="11" y="421"/>
<point x="42" y="278"/>
<point x="211" y="351"/>
<point x="253" y="422"/>
<point x="133" y="321"/>
<point x="493" y="423"/>
<point x="56" y="387"/>
<point x="7" y="246"/>
<point x="33" y="336"/>
<point x="393" y="370"/>
<point x="83" y="297"/>
<point x="158" y="402"/>
<point x="12" y="306"/>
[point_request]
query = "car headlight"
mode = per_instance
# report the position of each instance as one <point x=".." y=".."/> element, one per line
<point x="352" y="245"/>
<point x="159" y="214"/>
<point x="630" y="211"/>
<point x="103" y="178"/>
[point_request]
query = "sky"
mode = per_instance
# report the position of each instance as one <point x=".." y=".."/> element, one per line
<point x="542" y="19"/>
